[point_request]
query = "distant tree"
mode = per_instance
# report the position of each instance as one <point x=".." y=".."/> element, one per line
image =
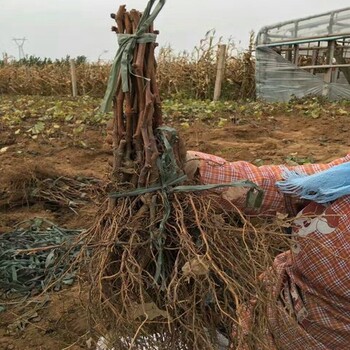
<point x="81" y="60"/>
<point x="38" y="61"/>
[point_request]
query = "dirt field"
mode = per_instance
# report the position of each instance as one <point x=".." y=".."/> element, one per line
<point x="286" y="134"/>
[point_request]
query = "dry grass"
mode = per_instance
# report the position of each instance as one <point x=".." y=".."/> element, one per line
<point x="190" y="75"/>
<point x="52" y="79"/>
<point x="32" y="183"/>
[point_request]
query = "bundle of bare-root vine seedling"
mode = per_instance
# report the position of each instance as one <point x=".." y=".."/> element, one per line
<point x="169" y="267"/>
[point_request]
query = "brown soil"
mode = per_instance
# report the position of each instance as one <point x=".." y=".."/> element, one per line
<point x="62" y="322"/>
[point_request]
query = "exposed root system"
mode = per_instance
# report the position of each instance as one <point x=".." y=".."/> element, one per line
<point x="197" y="278"/>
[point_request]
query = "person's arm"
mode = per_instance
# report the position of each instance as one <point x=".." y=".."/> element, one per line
<point x="215" y="170"/>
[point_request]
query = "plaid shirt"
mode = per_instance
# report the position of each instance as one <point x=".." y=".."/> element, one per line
<point x="313" y="289"/>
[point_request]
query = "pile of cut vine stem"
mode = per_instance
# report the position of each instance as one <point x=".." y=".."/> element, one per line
<point x="169" y="267"/>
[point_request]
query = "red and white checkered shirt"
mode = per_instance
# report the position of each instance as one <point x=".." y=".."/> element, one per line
<point x="314" y="276"/>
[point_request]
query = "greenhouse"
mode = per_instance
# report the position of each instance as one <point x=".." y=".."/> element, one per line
<point x="307" y="56"/>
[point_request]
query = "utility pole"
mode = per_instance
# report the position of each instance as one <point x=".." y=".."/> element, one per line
<point x="20" y="43"/>
<point x="102" y="53"/>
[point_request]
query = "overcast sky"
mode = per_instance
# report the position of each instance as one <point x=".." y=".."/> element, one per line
<point x="55" y="28"/>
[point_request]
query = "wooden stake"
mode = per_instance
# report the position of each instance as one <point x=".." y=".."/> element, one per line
<point x="328" y="76"/>
<point x="220" y="72"/>
<point x="73" y="77"/>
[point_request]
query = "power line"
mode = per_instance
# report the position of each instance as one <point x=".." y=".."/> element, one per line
<point x="20" y="43"/>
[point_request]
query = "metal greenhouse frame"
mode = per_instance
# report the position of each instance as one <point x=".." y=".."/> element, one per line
<point x="308" y="56"/>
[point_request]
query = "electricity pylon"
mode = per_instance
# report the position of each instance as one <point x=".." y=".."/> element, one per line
<point x="20" y="43"/>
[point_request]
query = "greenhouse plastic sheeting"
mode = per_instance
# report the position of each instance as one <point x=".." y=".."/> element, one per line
<point x="278" y="80"/>
<point x="327" y="24"/>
